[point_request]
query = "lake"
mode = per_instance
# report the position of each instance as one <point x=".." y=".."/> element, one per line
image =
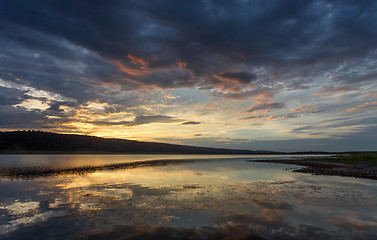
<point x="186" y="197"/>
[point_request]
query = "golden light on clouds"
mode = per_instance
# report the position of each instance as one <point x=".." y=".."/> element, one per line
<point x="156" y="74"/>
<point x="33" y="104"/>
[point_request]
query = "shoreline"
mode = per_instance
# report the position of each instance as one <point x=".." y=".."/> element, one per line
<point x="37" y="152"/>
<point x="30" y="172"/>
<point x="331" y="167"/>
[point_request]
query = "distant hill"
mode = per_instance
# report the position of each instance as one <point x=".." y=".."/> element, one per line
<point x="37" y="141"/>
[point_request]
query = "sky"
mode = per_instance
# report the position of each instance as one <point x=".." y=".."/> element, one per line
<point x="274" y="75"/>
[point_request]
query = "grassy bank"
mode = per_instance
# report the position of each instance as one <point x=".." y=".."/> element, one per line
<point x="352" y="158"/>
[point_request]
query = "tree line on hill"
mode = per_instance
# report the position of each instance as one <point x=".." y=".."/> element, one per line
<point x="38" y="141"/>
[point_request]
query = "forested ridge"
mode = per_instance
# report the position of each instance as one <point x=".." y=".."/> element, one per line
<point x="24" y="141"/>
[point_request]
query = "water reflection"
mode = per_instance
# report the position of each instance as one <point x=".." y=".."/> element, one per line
<point x="196" y="199"/>
<point x="72" y="160"/>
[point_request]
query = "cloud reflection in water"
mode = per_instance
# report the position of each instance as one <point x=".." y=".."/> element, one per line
<point x="209" y="199"/>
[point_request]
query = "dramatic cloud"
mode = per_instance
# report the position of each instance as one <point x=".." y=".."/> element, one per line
<point x="10" y="96"/>
<point x="92" y="66"/>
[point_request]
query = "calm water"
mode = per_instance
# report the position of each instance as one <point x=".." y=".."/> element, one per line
<point x="200" y="197"/>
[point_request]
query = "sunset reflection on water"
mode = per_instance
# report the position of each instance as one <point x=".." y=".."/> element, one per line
<point x="200" y="199"/>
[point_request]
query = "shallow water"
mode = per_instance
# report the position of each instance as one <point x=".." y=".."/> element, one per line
<point x="211" y="196"/>
<point x="77" y="160"/>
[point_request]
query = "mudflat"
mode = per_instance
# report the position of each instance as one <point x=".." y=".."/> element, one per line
<point x="362" y="165"/>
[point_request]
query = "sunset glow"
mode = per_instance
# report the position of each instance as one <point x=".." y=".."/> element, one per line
<point x="272" y="75"/>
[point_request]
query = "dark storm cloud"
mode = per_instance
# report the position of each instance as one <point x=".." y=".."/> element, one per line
<point x="10" y="96"/>
<point x="237" y="77"/>
<point x="235" y="82"/>
<point x="209" y="36"/>
<point x="171" y="78"/>
<point x="21" y="119"/>
<point x="51" y="64"/>
<point x="55" y="106"/>
<point x="103" y="50"/>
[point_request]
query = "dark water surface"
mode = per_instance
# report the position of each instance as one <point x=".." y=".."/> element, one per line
<point x="197" y="197"/>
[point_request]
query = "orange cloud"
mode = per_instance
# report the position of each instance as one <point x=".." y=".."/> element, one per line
<point x="364" y="106"/>
<point x="181" y="64"/>
<point x="273" y="117"/>
<point x="160" y="78"/>
<point x="236" y="77"/>
<point x="135" y="72"/>
<point x="373" y="94"/>
<point x="234" y="82"/>
<point x="263" y="98"/>
<point x="138" y="61"/>
<point x="333" y="89"/>
<point x="303" y="108"/>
